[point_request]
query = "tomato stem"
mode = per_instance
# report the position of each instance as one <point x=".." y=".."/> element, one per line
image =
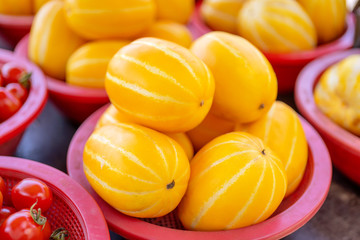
<point x="25" y="80"/>
<point x="36" y="215"/>
<point x="59" y="234"/>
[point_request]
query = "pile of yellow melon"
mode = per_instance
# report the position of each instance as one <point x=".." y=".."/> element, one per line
<point x="74" y="40"/>
<point x="337" y="93"/>
<point x="278" y="26"/>
<point x="219" y="97"/>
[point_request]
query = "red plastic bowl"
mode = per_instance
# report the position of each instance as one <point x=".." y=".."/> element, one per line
<point x="73" y="208"/>
<point x="287" y="66"/>
<point x="344" y="147"/>
<point x="13" y="28"/>
<point x="13" y="128"/>
<point x="77" y="103"/>
<point x="293" y="212"/>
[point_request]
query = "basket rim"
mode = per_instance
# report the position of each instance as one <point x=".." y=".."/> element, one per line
<point x="33" y="105"/>
<point x="305" y="102"/>
<point x="345" y="41"/>
<point x="275" y="227"/>
<point x="60" y="87"/>
<point x="92" y="218"/>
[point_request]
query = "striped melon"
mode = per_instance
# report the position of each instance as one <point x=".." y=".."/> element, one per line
<point x="160" y="84"/>
<point x="171" y="31"/>
<point x="337" y="93"/>
<point x="327" y="16"/>
<point x="281" y="130"/>
<point x="210" y="128"/>
<point x="37" y="4"/>
<point x="87" y="65"/>
<point x="235" y="182"/>
<point x="113" y="117"/>
<point x="175" y="10"/>
<point x="221" y="15"/>
<point x="138" y="171"/>
<point x="277" y="26"/>
<point x="51" y="41"/>
<point x="246" y="85"/>
<point x="94" y="19"/>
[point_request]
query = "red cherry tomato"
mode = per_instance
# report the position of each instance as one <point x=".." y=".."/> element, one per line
<point x="11" y="73"/>
<point x="2" y="186"/>
<point x="22" y="226"/>
<point x="25" y="193"/>
<point x="9" y="104"/>
<point x="18" y="91"/>
<point x="5" y="212"/>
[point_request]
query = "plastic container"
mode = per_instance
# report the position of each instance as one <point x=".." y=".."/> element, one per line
<point x="13" y="128"/>
<point x="287" y="66"/>
<point x="13" y="27"/>
<point x="77" y="103"/>
<point x="73" y="208"/>
<point x="344" y="147"/>
<point x="293" y="212"/>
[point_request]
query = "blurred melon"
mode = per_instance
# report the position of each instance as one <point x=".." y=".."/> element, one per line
<point x="175" y="10"/>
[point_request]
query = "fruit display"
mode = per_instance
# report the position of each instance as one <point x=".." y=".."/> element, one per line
<point x="175" y="10"/>
<point x="87" y="66"/>
<point x="327" y="16"/>
<point x="14" y="89"/>
<point x="337" y="93"/>
<point x="160" y="84"/>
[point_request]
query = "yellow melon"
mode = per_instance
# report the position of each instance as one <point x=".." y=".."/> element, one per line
<point x="246" y="85"/>
<point x="171" y="31"/>
<point x="277" y="26"/>
<point x="112" y="117"/>
<point x="138" y="171"/>
<point x="16" y="7"/>
<point x="37" y="4"/>
<point x="235" y="182"/>
<point x="51" y="41"/>
<point x="160" y="84"/>
<point x="87" y="65"/>
<point x="210" y="128"/>
<point x="175" y="10"/>
<point x="337" y="93"/>
<point x="281" y="130"/>
<point x="221" y="15"/>
<point x="94" y="19"/>
<point x="327" y="16"/>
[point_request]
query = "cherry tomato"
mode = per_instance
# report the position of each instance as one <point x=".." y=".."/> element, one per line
<point x="5" y="212"/>
<point x="11" y="73"/>
<point x="1" y="81"/>
<point x="22" y="226"/>
<point x="2" y="186"/>
<point x="25" y="193"/>
<point x="1" y="199"/>
<point x="9" y="104"/>
<point x="18" y="91"/>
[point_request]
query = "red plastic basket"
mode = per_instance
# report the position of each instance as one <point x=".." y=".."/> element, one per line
<point x="73" y="208"/>
<point x="344" y="147"/>
<point x="12" y="129"/>
<point x="287" y="66"/>
<point x="293" y="212"/>
<point x="77" y="103"/>
<point x="13" y="28"/>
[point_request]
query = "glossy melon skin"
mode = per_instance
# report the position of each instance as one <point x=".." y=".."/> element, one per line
<point x="112" y="116"/>
<point x="160" y="84"/>
<point x="281" y="130"/>
<point x="329" y="17"/>
<point x="175" y="10"/>
<point x="171" y="31"/>
<point x="210" y="128"/>
<point x="138" y="171"/>
<point x="246" y="85"/>
<point x="277" y="26"/>
<point x="16" y="7"/>
<point x="337" y="94"/>
<point x="221" y="15"/>
<point x="235" y="182"/>
<point x="87" y="65"/>
<point x="94" y="19"/>
<point x="51" y="41"/>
